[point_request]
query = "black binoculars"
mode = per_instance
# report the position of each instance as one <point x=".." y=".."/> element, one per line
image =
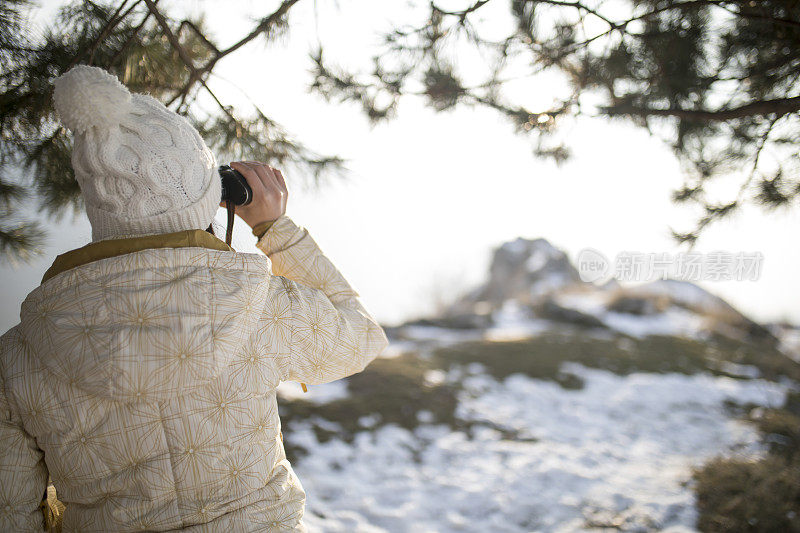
<point x="234" y="186"/>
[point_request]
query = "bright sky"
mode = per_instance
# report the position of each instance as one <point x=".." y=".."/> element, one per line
<point x="429" y="195"/>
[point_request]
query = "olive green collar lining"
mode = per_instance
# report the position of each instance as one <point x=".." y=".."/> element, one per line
<point x="113" y="247"/>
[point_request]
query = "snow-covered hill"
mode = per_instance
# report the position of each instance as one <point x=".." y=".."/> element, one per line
<point x="538" y="402"/>
<point x="534" y="280"/>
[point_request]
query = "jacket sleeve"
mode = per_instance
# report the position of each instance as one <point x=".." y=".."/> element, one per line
<point x="23" y="474"/>
<point x="330" y="335"/>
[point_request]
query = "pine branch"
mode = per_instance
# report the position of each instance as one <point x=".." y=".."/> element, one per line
<point x="583" y="7"/>
<point x="176" y="44"/>
<point x="104" y="32"/>
<point x="129" y="39"/>
<point x="716" y="212"/>
<point x="200" y="35"/>
<point x="756" y="16"/>
<point x="262" y="26"/>
<point x="781" y="106"/>
<point x="21" y="242"/>
<point x="197" y="73"/>
<point x="463" y="14"/>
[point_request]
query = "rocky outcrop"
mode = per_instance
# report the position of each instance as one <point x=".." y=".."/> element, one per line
<point x="523" y="270"/>
<point x="539" y="282"/>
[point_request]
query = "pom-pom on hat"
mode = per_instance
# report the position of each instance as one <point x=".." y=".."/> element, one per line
<point x="142" y="168"/>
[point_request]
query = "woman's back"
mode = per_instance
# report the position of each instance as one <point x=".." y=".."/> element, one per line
<point x="141" y="378"/>
<point x="146" y="380"/>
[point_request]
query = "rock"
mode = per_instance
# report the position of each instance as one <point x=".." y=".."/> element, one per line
<point x="557" y="313"/>
<point x="462" y="321"/>
<point x="640" y="306"/>
<point x="534" y="275"/>
<point x="524" y="270"/>
<point x="725" y="318"/>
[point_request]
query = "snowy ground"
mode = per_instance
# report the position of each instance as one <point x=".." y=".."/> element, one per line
<point x="514" y="453"/>
<point x="617" y="453"/>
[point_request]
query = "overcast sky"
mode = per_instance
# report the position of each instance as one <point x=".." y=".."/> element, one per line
<point x="429" y="195"/>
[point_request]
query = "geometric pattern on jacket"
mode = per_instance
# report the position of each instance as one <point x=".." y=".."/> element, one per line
<point x="144" y="385"/>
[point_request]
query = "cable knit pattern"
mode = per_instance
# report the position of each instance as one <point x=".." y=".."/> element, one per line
<point x="142" y="168"/>
<point x="144" y="385"/>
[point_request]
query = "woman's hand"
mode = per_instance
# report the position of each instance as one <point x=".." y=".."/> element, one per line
<point x="269" y="192"/>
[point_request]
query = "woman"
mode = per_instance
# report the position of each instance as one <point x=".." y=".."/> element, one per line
<point x="141" y="378"/>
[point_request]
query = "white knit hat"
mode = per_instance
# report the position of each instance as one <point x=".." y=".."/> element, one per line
<point x="142" y="168"/>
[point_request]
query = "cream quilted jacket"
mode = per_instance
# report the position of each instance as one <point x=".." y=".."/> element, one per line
<point x="144" y="384"/>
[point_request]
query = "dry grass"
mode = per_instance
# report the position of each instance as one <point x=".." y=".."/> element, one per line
<point x="735" y="495"/>
<point x="541" y="357"/>
<point x="764" y="495"/>
<point x="393" y="391"/>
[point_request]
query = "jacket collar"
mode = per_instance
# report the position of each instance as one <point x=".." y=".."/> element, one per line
<point x="113" y="247"/>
